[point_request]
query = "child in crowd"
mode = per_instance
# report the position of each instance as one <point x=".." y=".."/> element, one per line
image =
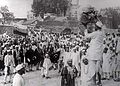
<point x="46" y="65"/>
<point x="69" y="74"/>
<point x="106" y="64"/>
<point x="9" y="66"/>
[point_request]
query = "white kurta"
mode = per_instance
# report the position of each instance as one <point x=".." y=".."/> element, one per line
<point x="47" y="63"/>
<point x="18" y="80"/>
<point x="118" y="45"/>
<point x="118" y="57"/>
<point x="118" y="63"/>
<point x="9" y="61"/>
<point x="95" y="51"/>
<point x="84" y="73"/>
<point x="106" y="62"/>
<point x="67" y="56"/>
<point x="76" y="60"/>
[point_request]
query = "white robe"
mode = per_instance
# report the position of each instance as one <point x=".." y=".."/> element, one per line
<point x="46" y="65"/>
<point x="106" y="62"/>
<point x="95" y="51"/>
<point x="18" y="80"/>
<point x="76" y="60"/>
<point x="9" y="61"/>
<point x="84" y="73"/>
<point x="66" y="57"/>
<point x="118" y="45"/>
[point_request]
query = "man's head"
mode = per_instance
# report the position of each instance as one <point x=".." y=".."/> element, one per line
<point x="9" y="52"/>
<point x="47" y="55"/>
<point x="90" y="27"/>
<point x="20" y="69"/>
<point x="69" y="62"/>
<point x="98" y="26"/>
<point x="67" y="49"/>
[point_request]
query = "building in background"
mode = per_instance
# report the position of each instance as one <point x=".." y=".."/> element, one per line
<point x="73" y="9"/>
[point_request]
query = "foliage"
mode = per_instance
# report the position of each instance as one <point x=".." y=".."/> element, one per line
<point x="40" y="7"/>
<point x="111" y="17"/>
<point x="7" y="15"/>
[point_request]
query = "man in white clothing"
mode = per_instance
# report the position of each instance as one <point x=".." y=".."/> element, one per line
<point x="46" y="65"/>
<point x="67" y="55"/>
<point x="18" y="80"/>
<point x="76" y="59"/>
<point x="95" y="51"/>
<point x="9" y="66"/>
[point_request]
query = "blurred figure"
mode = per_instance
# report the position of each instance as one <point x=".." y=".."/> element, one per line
<point x="21" y="54"/>
<point x="9" y="66"/>
<point x="66" y="56"/>
<point x="76" y="59"/>
<point x="29" y="55"/>
<point x="69" y="73"/>
<point x="18" y="79"/>
<point x="14" y="52"/>
<point x="39" y="57"/>
<point x="95" y="53"/>
<point x="106" y="63"/>
<point x="46" y="65"/>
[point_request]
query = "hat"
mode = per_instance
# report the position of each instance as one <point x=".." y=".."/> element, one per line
<point x="19" y="67"/>
<point x="47" y="55"/>
<point x="8" y="51"/>
<point x="85" y="9"/>
<point x="17" y="46"/>
<point x="99" y="24"/>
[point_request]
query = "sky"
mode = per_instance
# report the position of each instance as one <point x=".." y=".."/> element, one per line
<point x="18" y="7"/>
<point x="100" y="3"/>
<point x="21" y="7"/>
<point x="105" y="3"/>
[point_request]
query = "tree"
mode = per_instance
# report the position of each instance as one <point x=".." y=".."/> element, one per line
<point x="40" y="7"/>
<point x="111" y="17"/>
<point x="7" y="15"/>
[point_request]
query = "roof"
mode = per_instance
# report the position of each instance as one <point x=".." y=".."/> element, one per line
<point x="20" y="26"/>
<point x="58" y="23"/>
<point x="61" y="19"/>
<point x="50" y="23"/>
<point x="20" y="19"/>
<point x="28" y="22"/>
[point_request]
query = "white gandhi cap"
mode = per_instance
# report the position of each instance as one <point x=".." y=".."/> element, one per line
<point x="19" y="67"/>
<point x="99" y="24"/>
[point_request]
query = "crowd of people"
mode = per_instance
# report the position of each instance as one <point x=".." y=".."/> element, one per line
<point x="40" y="53"/>
<point x="74" y="55"/>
